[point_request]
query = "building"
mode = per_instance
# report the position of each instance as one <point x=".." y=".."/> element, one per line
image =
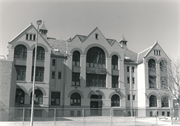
<point x="89" y="72"/>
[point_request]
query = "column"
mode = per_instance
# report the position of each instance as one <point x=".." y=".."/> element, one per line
<point x="83" y="70"/>
<point x="158" y="85"/>
<point x="47" y="72"/>
<point x="131" y="91"/>
<point x="29" y="63"/>
<point x="121" y="73"/>
<point x="109" y="73"/>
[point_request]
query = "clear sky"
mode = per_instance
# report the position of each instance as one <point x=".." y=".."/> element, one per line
<point x="142" y="22"/>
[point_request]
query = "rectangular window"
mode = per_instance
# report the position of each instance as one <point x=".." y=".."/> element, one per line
<point x="163" y="113"/>
<point x="30" y="37"/>
<point x="95" y="80"/>
<point x="152" y="81"/>
<point x="39" y="74"/>
<point x="21" y="73"/>
<point x="75" y="79"/>
<point x="157" y="52"/>
<point x="59" y="75"/>
<point x="71" y="113"/>
<point x="134" y="97"/>
<point x="55" y="98"/>
<point x="53" y="62"/>
<point x="79" y="113"/>
<point x="133" y="69"/>
<point x="128" y="97"/>
<point x="133" y="80"/>
<point x="27" y="36"/>
<point x="114" y="81"/>
<point x="34" y="37"/>
<point x="168" y="114"/>
<point x="53" y="75"/>
<point x="127" y="68"/>
<point x="128" y="80"/>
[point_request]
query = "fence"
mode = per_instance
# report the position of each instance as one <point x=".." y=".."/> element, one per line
<point x="87" y="116"/>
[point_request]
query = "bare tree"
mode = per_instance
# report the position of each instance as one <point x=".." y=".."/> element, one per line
<point x="173" y="80"/>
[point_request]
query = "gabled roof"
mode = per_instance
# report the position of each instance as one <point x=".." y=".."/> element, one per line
<point x="26" y="30"/>
<point x="82" y="37"/>
<point x="146" y="52"/>
<point x="21" y="33"/>
<point x="123" y="39"/>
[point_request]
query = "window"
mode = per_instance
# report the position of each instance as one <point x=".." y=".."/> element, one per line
<point x="163" y="66"/>
<point x="134" y="97"/>
<point x="163" y="113"/>
<point x="133" y="69"/>
<point x="95" y="58"/>
<point x="75" y="79"/>
<point x="75" y="99"/>
<point x="38" y="97"/>
<point x="31" y="37"/>
<point x="164" y="101"/>
<point x="114" y="81"/>
<point x="71" y="113"/>
<point x="164" y="83"/>
<point x="96" y="36"/>
<point x="152" y="65"/>
<point x="76" y="58"/>
<point x="53" y="75"/>
<point x="157" y="52"/>
<point x="20" y="52"/>
<point x="40" y="53"/>
<point x="152" y="81"/>
<point x="79" y="113"/>
<point x="128" y="80"/>
<point x="53" y="62"/>
<point x="127" y="68"/>
<point x="151" y="114"/>
<point x="19" y="96"/>
<point x="133" y="80"/>
<point x="128" y="97"/>
<point x="39" y="74"/>
<point x="95" y="80"/>
<point x="21" y="73"/>
<point x="59" y="75"/>
<point x="55" y="98"/>
<point x="152" y="101"/>
<point x="168" y="114"/>
<point x="115" y="100"/>
<point x="114" y="62"/>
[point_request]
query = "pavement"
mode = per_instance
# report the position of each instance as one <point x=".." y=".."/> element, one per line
<point x="95" y="121"/>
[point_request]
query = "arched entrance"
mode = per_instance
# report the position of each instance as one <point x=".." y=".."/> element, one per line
<point x="96" y="105"/>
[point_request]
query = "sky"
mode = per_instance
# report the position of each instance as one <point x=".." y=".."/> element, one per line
<point x="142" y="22"/>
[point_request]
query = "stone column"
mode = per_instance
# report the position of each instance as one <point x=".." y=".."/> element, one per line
<point x="47" y="72"/>
<point x="121" y="73"/>
<point x="109" y="73"/>
<point x="158" y="85"/>
<point x="29" y="63"/>
<point x="83" y="70"/>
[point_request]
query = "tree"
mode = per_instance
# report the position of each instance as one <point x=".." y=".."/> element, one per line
<point x="173" y="80"/>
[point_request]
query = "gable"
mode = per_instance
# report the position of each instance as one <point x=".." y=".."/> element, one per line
<point x="157" y="52"/>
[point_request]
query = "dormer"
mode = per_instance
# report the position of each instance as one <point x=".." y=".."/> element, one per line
<point x="123" y="42"/>
<point x="43" y="31"/>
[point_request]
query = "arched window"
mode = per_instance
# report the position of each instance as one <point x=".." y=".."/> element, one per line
<point x="95" y="58"/>
<point x="76" y="58"/>
<point x="115" y="100"/>
<point x="152" y="73"/>
<point x="152" y="101"/>
<point x="19" y="96"/>
<point x="40" y="53"/>
<point x="164" y="101"/>
<point x="75" y="99"/>
<point x="152" y="65"/>
<point x="39" y="97"/>
<point x="20" y="52"/>
<point x="114" y="62"/>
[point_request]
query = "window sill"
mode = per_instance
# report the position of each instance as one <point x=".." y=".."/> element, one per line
<point x="37" y="82"/>
<point x="19" y="81"/>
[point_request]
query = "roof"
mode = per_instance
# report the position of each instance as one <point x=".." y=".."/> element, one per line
<point x="43" y="27"/>
<point x="58" y="46"/>
<point x="142" y="54"/>
<point x="123" y="39"/>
